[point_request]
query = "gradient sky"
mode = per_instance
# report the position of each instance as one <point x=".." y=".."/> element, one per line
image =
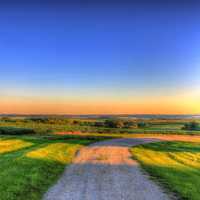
<point x="94" y="58"/>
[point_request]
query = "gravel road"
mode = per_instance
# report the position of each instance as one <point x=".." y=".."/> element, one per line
<point x="105" y="171"/>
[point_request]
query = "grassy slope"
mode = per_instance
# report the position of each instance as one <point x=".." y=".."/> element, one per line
<point x="28" y="166"/>
<point x="176" y="164"/>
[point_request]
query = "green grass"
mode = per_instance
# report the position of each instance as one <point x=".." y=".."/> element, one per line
<point x="30" y="165"/>
<point x="43" y="128"/>
<point x="175" y="164"/>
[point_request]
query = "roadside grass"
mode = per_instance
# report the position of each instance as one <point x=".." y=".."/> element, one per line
<point x="60" y="152"/>
<point x="12" y="145"/>
<point x="163" y="137"/>
<point x="176" y="165"/>
<point x="30" y="165"/>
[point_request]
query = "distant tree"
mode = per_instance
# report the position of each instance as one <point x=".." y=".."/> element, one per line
<point x="129" y="124"/>
<point x="142" y="125"/>
<point x="87" y="123"/>
<point x="99" y="124"/>
<point x="5" y="119"/>
<point x="76" y="122"/>
<point x="114" y="123"/>
<point x="8" y="119"/>
<point x="39" y="119"/>
<point x="192" y="126"/>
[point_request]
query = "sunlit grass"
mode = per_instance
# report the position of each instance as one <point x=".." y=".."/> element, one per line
<point x="60" y="152"/>
<point x="12" y="145"/>
<point x="30" y="165"/>
<point x="176" y="164"/>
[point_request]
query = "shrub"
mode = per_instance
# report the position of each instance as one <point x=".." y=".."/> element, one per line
<point x="48" y="120"/>
<point x="115" y="123"/>
<point x="130" y="124"/>
<point x="76" y="122"/>
<point x="99" y="124"/>
<point x="7" y="119"/>
<point x="15" y="131"/>
<point x="191" y="126"/>
<point x="142" y="125"/>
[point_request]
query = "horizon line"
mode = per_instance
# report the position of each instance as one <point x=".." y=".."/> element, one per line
<point x="94" y="114"/>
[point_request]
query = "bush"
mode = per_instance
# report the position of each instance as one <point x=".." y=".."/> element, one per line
<point x="192" y="126"/>
<point x="130" y="124"/>
<point x="115" y="123"/>
<point x="75" y="122"/>
<point x="7" y="119"/>
<point x="48" y="120"/>
<point x="15" y="131"/>
<point x="142" y="125"/>
<point x="99" y="124"/>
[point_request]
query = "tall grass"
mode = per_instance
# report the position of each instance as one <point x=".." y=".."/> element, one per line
<point x="175" y="164"/>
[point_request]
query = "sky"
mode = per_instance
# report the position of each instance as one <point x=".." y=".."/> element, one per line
<point x="59" y="57"/>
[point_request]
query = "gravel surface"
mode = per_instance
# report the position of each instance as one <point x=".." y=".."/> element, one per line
<point x="105" y="171"/>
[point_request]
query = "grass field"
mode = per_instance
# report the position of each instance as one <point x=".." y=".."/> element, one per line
<point x="175" y="164"/>
<point x="29" y="165"/>
<point x="32" y="157"/>
<point x="156" y="128"/>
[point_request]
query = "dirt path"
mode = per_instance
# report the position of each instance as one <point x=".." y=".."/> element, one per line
<point x="105" y="171"/>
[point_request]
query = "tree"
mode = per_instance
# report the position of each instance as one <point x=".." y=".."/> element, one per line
<point x="129" y="124"/>
<point x="99" y="124"/>
<point x="114" y="123"/>
<point x="142" y="125"/>
<point x="192" y="126"/>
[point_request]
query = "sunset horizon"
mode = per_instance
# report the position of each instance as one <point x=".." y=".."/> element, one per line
<point x="98" y="58"/>
<point x="99" y="99"/>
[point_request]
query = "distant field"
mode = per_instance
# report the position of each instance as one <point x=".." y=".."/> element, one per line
<point x="29" y="165"/>
<point x="175" y="164"/>
<point x="87" y="126"/>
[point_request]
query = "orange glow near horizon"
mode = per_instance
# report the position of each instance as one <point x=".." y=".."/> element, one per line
<point x="159" y="105"/>
<point x="99" y="58"/>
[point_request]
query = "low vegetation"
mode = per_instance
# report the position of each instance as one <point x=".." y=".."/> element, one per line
<point x="12" y="145"/>
<point x="48" y="125"/>
<point x="30" y="165"/>
<point x="192" y="126"/>
<point x="175" y="164"/>
<point x="15" y="131"/>
<point x="32" y="158"/>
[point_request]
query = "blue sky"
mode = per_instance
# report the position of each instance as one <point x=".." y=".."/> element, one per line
<point x="73" y="51"/>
